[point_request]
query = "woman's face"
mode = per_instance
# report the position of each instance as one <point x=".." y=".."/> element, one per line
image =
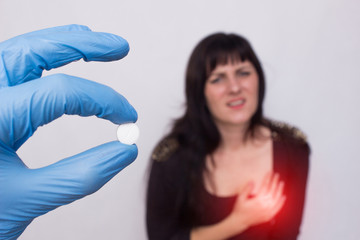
<point x="231" y="93"/>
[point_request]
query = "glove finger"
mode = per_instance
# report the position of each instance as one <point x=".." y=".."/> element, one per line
<point x="34" y="192"/>
<point x="65" y="28"/>
<point x="27" y="106"/>
<point x="24" y="57"/>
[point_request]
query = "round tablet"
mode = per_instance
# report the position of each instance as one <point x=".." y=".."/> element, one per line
<point x="128" y="133"/>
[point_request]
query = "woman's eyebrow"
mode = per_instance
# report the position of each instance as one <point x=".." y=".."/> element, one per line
<point x="222" y="72"/>
<point x="243" y="67"/>
<point x="219" y="73"/>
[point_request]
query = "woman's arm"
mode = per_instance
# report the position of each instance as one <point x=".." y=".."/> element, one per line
<point x="162" y="213"/>
<point x="288" y="221"/>
<point x="227" y="228"/>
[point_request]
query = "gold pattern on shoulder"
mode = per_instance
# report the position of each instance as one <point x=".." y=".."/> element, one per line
<point x="295" y="132"/>
<point x="164" y="149"/>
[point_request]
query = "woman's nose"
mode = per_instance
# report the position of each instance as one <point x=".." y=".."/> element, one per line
<point x="234" y="85"/>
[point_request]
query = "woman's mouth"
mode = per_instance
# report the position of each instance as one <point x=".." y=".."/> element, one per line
<point x="236" y="103"/>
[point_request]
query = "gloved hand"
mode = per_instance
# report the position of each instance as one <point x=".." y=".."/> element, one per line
<point x="28" y="101"/>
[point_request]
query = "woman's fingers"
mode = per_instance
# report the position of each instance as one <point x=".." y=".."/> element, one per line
<point x="278" y="205"/>
<point x="271" y="192"/>
<point x="247" y="191"/>
<point x="278" y="191"/>
<point x="265" y="184"/>
<point x="273" y="184"/>
<point x="263" y="205"/>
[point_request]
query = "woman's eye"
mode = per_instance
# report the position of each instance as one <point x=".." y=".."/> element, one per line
<point x="215" y="80"/>
<point x="244" y="73"/>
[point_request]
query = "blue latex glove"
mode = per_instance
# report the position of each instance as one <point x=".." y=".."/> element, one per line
<point x="28" y="101"/>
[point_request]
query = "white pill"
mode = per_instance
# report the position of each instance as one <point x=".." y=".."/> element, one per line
<point x="128" y="133"/>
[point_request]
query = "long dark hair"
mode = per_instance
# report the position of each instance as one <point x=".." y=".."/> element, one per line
<point x="196" y="131"/>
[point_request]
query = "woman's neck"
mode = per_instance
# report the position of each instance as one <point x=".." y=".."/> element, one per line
<point x="236" y="137"/>
<point x="233" y="136"/>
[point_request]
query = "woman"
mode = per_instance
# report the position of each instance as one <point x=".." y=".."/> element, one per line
<point x="224" y="171"/>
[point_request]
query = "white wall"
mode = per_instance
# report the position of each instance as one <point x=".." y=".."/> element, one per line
<point x="311" y="55"/>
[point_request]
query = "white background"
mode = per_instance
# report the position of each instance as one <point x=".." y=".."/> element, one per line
<point x="311" y="55"/>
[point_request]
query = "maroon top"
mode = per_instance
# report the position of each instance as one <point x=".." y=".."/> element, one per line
<point x="291" y="161"/>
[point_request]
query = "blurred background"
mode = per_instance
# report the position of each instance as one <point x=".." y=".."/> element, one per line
<point x="311" y="56"/>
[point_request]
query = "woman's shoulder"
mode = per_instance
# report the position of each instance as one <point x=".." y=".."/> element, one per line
<point x="165" y="149"/>
<point x="287" y="132"/>
<point x="292" y="146"/>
